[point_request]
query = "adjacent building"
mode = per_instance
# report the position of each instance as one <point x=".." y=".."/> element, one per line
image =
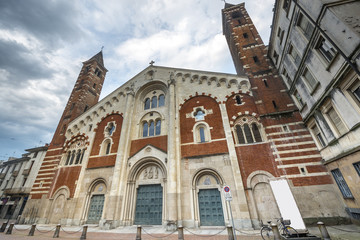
<point x="17" y="176"/>
<point x="315" y="45"/>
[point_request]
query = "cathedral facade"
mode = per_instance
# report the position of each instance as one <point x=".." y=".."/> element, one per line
<point x="159" y="149"/>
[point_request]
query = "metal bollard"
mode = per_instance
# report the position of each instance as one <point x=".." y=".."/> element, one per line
<point x="276" y="232"/>
<point x="57" y="231"/>
<point x="324" y="233"/>
<point x="138" y="233"/>
<point x="83" y="235"/>
<point x="32" y="230"/>
<point x="9" y="231"/>
<point x="3" y="226"/>
<point x="180" y="233"/>
<point x="230" y="232"/>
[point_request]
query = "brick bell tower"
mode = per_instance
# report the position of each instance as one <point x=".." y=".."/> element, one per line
<point x="289" y="152"/>
<point x="84" y="95"/>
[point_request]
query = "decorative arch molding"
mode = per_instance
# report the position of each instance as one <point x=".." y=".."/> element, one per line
<point x="197" y="95"/>
<point x="95" y="182"/>
<point x="80" y="140"/>
<point x="61" y="190"/>
<point x="140" y="165"/>
<point x="244" y="114"/>
<point x="253" y="179"/>
<point x="151" y="86"/>
<point x="206" y="171"/>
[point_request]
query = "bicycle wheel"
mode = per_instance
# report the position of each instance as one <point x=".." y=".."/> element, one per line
<point x="266" y="233"/>
<point x="290" y="231"/>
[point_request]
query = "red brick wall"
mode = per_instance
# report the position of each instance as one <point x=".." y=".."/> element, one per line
<point x="102" y="161"/>
<point x="99" y="137"/>
<point x="159" y="142"/>
<point x="66" y="176"/>
<point x="214" y="121"/>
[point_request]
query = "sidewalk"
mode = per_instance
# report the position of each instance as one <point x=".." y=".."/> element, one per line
<point x="46" y="231"/>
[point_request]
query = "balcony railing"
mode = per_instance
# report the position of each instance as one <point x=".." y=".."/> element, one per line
<point x="21" y="190"/>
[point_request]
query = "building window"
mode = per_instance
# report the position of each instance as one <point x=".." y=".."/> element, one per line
<point x="158" y="127"/>
<point x="68" y="158"/>
<point x="108" y="146"/>
<point x="97" y="72"/>
<point x="152" y="128"/>
<point x="336" y="121"/>
<point x="161" y="100"/>
<point x="199" y="115"/>
<point x="78" y="157"/>
<point x="238" y="99"/>
<point x="245" y="35"/>
<point x="357" y="167"/>
<point x="298" y="98"/>
<point x="318" y="136"/>
<point x="256" y="59"/>
<point x="247" y="131"/>
<point x="280" y="34"/>
<point x="339" y="179"/>
<point x="286" y="76"/>
<point x="276" y="57"/>
<point x="310" y="81"/>
<point x="156" y="101"/>
<point x="305" y="26"/>
<point x="286" y="5"/>
<point x="202" y="133"/>
<point x="295" y="55"/>
<point x="145" y="129"/>
<point x="147" y="104"/>
<point x="326" y="49"/>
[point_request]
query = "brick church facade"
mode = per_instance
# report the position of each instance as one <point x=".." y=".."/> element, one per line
<point x="160" y="148"/>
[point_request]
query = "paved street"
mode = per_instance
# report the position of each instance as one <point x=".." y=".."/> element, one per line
<point x="342" y="232"/>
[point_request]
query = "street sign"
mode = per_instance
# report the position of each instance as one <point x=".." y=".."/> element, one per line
<point x="227" y="193"/>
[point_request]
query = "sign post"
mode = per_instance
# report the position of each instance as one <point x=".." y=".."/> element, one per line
<point x="228" y="198"/>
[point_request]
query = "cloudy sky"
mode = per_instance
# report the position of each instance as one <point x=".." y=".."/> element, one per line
<point x="44" y="42"/>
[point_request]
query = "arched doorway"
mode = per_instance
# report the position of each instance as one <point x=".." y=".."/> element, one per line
<point x="58" y="206"/>
<point x="146" y="188"/>
<point x="97" y="199"/>
<point x="210" y="211"/>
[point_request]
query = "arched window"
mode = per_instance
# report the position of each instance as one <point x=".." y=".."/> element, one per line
<point x="111" y="128"/>
<point x="145" y="129"/>
<point x="202" y="134"/>
<point x="238" y="99"/>
<point x="161" y="100"/>
<point x="240" y="134"/>
<point x="108" y="148"/>
<point x="199" y="115"/>
<point x="147" y="104"/>
<point x="68" y="158"/>
<point x="158" y="127"/>
<point x="151" y="128"/>
<point x="78" y="156"/>
<point x="154" y="102"/>
<point x="248" y="135"/>
<point x="72" y="157"/>
<point x="247" y="130"/>
<point x="256" y="133"/>
<point x="82" y="156"/>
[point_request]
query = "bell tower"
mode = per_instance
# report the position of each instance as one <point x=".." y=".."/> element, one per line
<point x="84" y="95"/>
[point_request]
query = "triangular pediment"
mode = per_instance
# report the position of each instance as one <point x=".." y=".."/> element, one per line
<point x="149" y="151"/>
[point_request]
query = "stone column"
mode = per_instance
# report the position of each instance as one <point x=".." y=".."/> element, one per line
<point x="241" y="212"/>
<point x="119" y="178"/>
<point x="171" y="191"/>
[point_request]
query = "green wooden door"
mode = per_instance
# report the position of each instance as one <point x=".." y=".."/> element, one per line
<point x="96" y="208"/>
<point x="210" y="207"/>
<point x="149" y="205"/>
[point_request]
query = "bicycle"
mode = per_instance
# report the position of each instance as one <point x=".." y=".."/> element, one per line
<point x="284" y="228"/>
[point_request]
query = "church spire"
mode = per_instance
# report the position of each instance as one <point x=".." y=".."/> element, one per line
<point x="98" y="58"/>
